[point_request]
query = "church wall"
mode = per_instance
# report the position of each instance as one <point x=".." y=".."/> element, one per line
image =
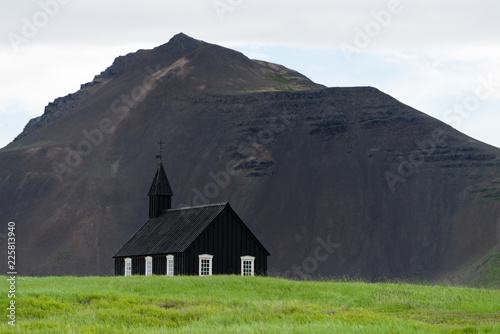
<point x="227" y="239"/>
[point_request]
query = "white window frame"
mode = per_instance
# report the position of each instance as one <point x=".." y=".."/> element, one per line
<point x="245" y="259"/>
<point x="148" y="259"/>
<point x="129" y="262"/>
<point x="170" y="258"/>
<point x="205" y="257"/>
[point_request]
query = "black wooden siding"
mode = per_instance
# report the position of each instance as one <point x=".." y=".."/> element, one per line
<point x="227" y="239"/>
<point x="138" y="265"/>
<point x="119" y="266"/>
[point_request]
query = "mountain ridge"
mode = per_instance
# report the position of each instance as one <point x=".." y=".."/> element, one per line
<point x="164" y="56"/>
<point x="303" y="168"/>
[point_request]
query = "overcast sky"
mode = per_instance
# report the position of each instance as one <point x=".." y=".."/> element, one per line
<point x="441" y="57"/>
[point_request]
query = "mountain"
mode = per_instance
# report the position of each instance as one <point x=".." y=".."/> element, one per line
<point x="333" y="181"/>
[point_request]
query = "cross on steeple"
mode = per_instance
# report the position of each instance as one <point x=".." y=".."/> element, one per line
<point x="160" y="194"/>
<point x="161" y="147"/>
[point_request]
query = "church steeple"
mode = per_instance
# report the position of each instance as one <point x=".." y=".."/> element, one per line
<point x="160" y="194"/>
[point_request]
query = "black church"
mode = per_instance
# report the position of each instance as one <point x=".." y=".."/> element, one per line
<point x="200" y="240"/>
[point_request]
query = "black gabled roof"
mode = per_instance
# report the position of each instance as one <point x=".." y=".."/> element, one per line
<point x="172" y="231"/>
<point x="160" y="185"/>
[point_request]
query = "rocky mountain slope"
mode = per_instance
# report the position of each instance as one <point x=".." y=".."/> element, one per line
<point x="333" y="181"/>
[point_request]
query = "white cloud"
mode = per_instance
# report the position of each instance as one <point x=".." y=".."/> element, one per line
<point x="429" y="55"/>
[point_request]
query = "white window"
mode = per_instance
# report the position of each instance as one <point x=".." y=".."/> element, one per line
<point x="247" y="265"/>
<point x="205" y="266"/>
<point x="170" y="265"/>
<point x="149" y="265"/>
<point x="128" y="266"/>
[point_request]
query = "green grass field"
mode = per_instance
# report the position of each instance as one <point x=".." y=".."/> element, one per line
<point x="235" y="304"/>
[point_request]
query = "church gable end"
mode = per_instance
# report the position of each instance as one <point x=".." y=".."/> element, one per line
<point x="228" y="239"/>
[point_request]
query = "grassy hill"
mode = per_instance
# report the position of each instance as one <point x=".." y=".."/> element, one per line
<point x="233" y="304"/>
